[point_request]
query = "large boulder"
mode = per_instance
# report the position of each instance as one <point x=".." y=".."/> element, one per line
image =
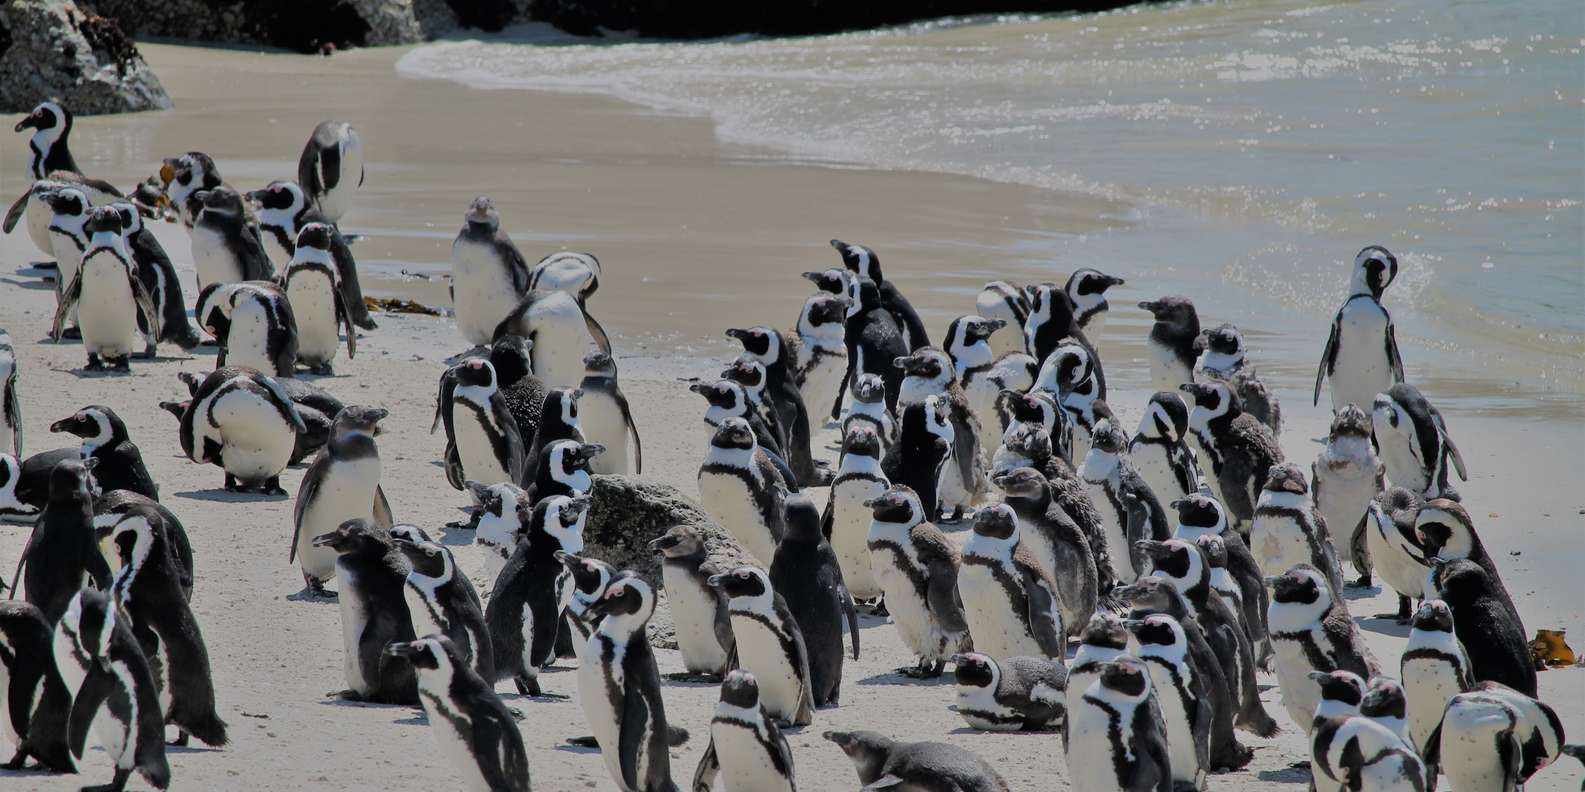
<point x="52" y="49"/>
<point x="627" y="513"/>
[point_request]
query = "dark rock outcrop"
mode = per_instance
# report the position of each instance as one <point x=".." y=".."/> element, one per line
<point x="53" y="49"/>
<point x="627" y="513"/>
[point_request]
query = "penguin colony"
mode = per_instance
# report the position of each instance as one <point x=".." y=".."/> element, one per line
<point x="984" y="499"/>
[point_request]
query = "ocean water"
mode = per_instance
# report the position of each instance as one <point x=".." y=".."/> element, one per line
<point x="1257" y="145"/>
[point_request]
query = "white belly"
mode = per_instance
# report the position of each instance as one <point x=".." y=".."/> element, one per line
<point x="39" y="214"/>
<point x="1404" y="574"/>
<point x="248" y="342"/>
<point x="483" y="293"/>
<point x="1278" y="544"/>
<point x="850" y="527"/>
<point x="1361" y="370"/>
<point x="347" y="493"/>
<point x="1117" y="546"/>
<point x="760" y="653"/>
<point x="982" y="393"/>
<point x="314" y="307"/>
<point x="1300" y="694"/>
<point x="1207" y="468"/>
<point x="919" y="632"/>
<point x="68" y="257"/>
<point x="745" y="766"/>
<point x="254" y="443"/>
<point x="8" y="730"/>
<point x="1180" y="726"/>
<point x="1089" y="751"/>
<point x="953" y="492"/>
<point x="561" y="339"/>
<point x="727" y="498"/>
<point x="452" y="743"/>
<point x="1469" y="741"/>
<point x="1153" y="465"/>
<point x="496" y="540"/>
<point x="1167" y="372"/>
<point x="1428" y="687"/>
<point x="211" y="259"/>
<point x="601" y="421"/>
<point x="997" y="631"/>
<point x="693" y="613"/>
<point x="353" y="619"/>
<point x="108" y="313"/>
<point x="1403" y="469"/>
<point x="274" y="250"/>
<point x="604" y="721"/>
<point x="1343" y="500"/>
<point x="822" y="385"/>
<point x="975" y="703"/>
<point x="479" y="462"/>
<point x="424" y="620"/>
<point x="338" y="200"/>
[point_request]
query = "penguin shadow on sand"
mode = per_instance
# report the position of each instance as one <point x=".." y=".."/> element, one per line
<point x="30" y="283"/>
<point x="459" y="532"/>
<point x="1384" y="625"/>
<point x="1286" y="775"/>
<point x="222" y="496"/>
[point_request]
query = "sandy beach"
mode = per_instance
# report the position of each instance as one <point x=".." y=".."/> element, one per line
<point x="695" y="236"/>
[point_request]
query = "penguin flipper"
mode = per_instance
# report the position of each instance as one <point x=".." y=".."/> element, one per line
<point x="495" y="736"/>
<point x="69" y="297"/>
<point x="145" y="303"/>
<point x="282" y="401"/>
<point x="709" y="766"/>
<point x="848" y="610"/>
<point x="598" y="332"/>
<point x="96" y="687"/>
<point x="1329" y="356"/>
<point x="941" y="595"/>
<point x="18" y="206"/>
<point x="305" y="495"/>
<point x="1045" y="617"/>
<point x="632" y="429"/>
<point x="13" y="411"/>
<point x="1447" y="443"/>
<point x="1394" y="358"/>
<point x="345" y="320"/>
<point x="382" y="510"/>
<point x="448" y="383"/>
<point x="633" y="736"/>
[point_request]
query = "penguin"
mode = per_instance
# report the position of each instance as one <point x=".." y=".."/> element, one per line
<point x="1340" y="694"/>
<point x="1000" y="300"/>
<point x="1011" y="694"/>
<point x="699" y="611"/>
<point x="1496" y="738"/>
<point x="1174" y="342"/>
<point x="1223" y="358"/>
<point x="1239" y="449"/>
<point x="884" y="763"/>
<point x="320" y="313"/>
<point x="1386" y="703"/>
<point x="13" y="509"/>
<point x="1010" y="602"/>
<point x="159" y="277"/>
<point x="1052" y="322"/>
<point x="523" y="393"/>
<point x="1444" y="530"/>
<point x="619" y="689"/>
<point x="1038" y="409"/>
<point x="807" y="575"/>
<point x="104" y="435"/>
<point x="148" y="587"/>
<point x="371" y="575"/>
<point x="1361" y="358"/>
<point x="1070" y="376"/>
<point x="49" y="147"/>
<point x="558" y="420"/>
<point x="1111" y="480"/>
<point x="69" y="210"/>
<point x="1311" y="631"/>
<point x="481" y="435"/>
<point x="1214" y="548"/>
<point x="750" y="373"/>
<point x="1414" y="443"/>
<point x="37" y="701"/>
<point x="729" y="399"/>
<point x="284" y="211"/>
<point x="874" y="340"/>
<point x="1160" y="449"/>
<point x="1069" y="493"/>
<point x="1394" y="546"/>
<point x="1346" y="477"/>
<point x="330" y="159"/>
<point x="10" y="403"/>
<point x="1434" y="668"/>
<point x="503" y="513"/>
<point x="968" y="346"/>
<point x="928" y="372"/>
<point x="225" y="249"/>
<point x="116" y="693"/>
<point x="254" y="324"/>
<point x="742" y="490"/>
<point x="62" y="554"/>
<point x="846" y="520"/>
<point x="532" y="592"/>
<point x="29" y="488"/>
<point x="1116" y="737"/>
<point x="863" y="262"/>
<point x="1086" y="288"/>
<point x="770" y="348"/>
<point x="186" y="179"/>
<point x="467" y="718"/>
<point x="315" y="405"/>
<point x="117" y="311"/>
<point x="868" y="406"/>
<point x="1201" y="517"/>
<point x="563" y="332"/>
<point x="1056" y="541"/>
<point x="1289" y="530"/>
<point x="1485" y="622"/>
<point x="34" y="206"/>
<point x="840" y="282"/>
<point x="342" y="484"/>
<point x="822" y="354"/>
<point x="590" y="578"/>
<point x="606" y="418"/>
<point x="746" y="750"/>
<point x="918" y="456"/>
<point x="577" y="274"/>
<point x="488" y="273"/>
<point x="1356" y="752"/>
<point x="917" y="567"/>
<point x="1163" y="648"/>
<point x="769" y="644"/>
<point x="244" y="422"/>
<point x="1103" y="639"/>
<point x="111" y="506"/>
<point x="440" y="600"/>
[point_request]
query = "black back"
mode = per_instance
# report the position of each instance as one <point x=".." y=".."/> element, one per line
<point x="806" y="574"/>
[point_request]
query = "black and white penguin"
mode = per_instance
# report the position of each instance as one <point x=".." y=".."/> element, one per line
<point x="1311" y="631"/>
<point x="117" y="696"/>
<point x="769" y="644"/>
<point x="1386" y="703"/>
<point x="917" y="567"/>
<point x="558" y="420"/>
<point x="225" y="249"/>
<point x="315" y="405"/>
<point x="770" y="348"/>
<point x="1112" y="481"/>
<point x="698" y="610"/>
<point x="482" y="438"/>
<point x="148" y="587"/>
<point x="840" y="282"/>
<point x="1413" y="442"/>
<point x="742" y="490"/>
<point x="313" y="289"/>
<point x="874" y="340"/>
<point x="863" y="262"/>
<point x="884" y="763"/>
<point x="1361" y="357"/>
<point x="1056" y="541"/>
<point x="440" y="599"/>
<point x="1103" y="639"/>
<point x="807" y="575"/>
<point x="1238" y="449"/>
<point x="185" y="179"/>
<point x="104" y="435"/>
<point x="967" y="344"/>
<point x="750" y="373"/>
<point x="590" y="578"/>
<point x="1010" y="601"/>
<point x="747" y="749"/>
<point x="1086" y="288"/>
<point x="846" y="520"/>
<point x="1186" y="707"/>
<point x="1010" y="694"/>
<point x="524" y="393"/>
<point x="1116" y="738"/>
<point x="1355" y="751"/>
<point x="118" y="316"/>
<point x="254" y="324"/>
<point x="478" y="732"/>
<point x="37" y="701"/>
<point x="14" y="510"/>
<point x="531" y="595"/>
<point x="1394" y="546"/>
<point x="822" y="354"/>
<point x="563" y="332"/>
<point x="502" y="512"/>
<point x="606" y="417"/>
<point x="10" y="403"/>
<point x="1008" y="303"/>
<point x="342" y="484"/>
<point x="49" y="147"/>
<point x="1497" y="738"/>
<point x="488" y="273"/>
<point x="1289" y="530"/>
<point x="577" y="274"/>
<point x="730" y="399"/>
<point x="33" y="205"/>
<point x="111" y="506"/>
<point x="1446" y="531"/>
<point x="1174" y="343"/>
<point x="244" y="422"/>
<point x="929" y="372"/>
<point x="618" y="683"/>
<point x="1069" y="374"/>
<point x="1434" y="668"/>
<point x="1201" y="517"/>
<point x="868" y="406"/>
<point x="371" y="575"/>
<point x="331" y="171"/>
<point x="159" y="277"/>
<point x="1346" y="477"/>
<point x="69" y="210"/>
<point x="1486" y="623"/>
<point x="1160" y="449"/>
<point x="62" y="554"/>
<point x="284" y="211"/>
<point x="1052" y="324"/>
<point x="1037" y="409"/>
<point x="920" y="455"/>
<point x="1223" y="358"/>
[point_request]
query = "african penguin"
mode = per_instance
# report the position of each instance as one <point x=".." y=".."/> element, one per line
<point x="822" y="354"/>
<point x="481" y="434"/>
<point x="1056" y="541"/>
<point x="1394" y="546"/>
<point x="186" y="178"/>
<point x="442" y="600"/>
<point x="590" y="578"/>
<point x="10" y="403"/>
<point x="747" y="750"/>
<point x="558" y="420"/>
<point x="503" y="515"/>
<point x="37" y="701"/>
<point x="284" y="211"/>
<point x="1496" y="738"/>
<point x="917" y="568"/>
<point x="1201" y="518"/>
<point x="1239" y="450"/>
<point x="618" y="681"/>
<point x="1223" y="358"/>
<point x="1486" y="623"/>
<point x="1103" y="639"/>
<point x="806" y="574"/>
<point x="577" y="274"/>
<point x="769" y="644"/>
<point x="488" y="274"/>
<point x="1010" y="694"/>
<point x="874" y="340"/>
<point x="68" y="234"/>
<point x="313" y="288"/>
<point x="531" y="594"/>
<point x="370" y="578"/>
<point x="1311" y="631"/>
<point x="771" y="349"/>
<point x="846" y="520"/>
<point x="244" y="422"/>
<point x="62" y="554"/>
<point x="563" y="332"/>
<point x="1288" y="530"/>
<point x="254" y="324"/>
<point x="920" y="455"/>
<point x="1008" y="303"/>
<point x="606" y="417"/>
<point x="104" y="438"/>
<point x="967" y="344"/>
<point x="118" y="315"/>
<point x="1160" y="449"/>
<point x="1087" y="289"/>
<point x="225" y="249"/>
<point x="1345" y="477"/>
<point x="342" y="484"/>
<point x="863" y="262"/>
<point x="698" y="610"/>
<point x="1413" y="442"/>
<point x="884" y="763"/>
<point x="730" y="399"/>
<point x="868" y="406"/>
<point x="1444" y="530"/>
<point x="1112" y="481"/>
<point x="331" y="168"/>
<point x="1174" y="342"/>
<point x="929" y="372"/>
<point x="1051" y="323"/>
<point x="1361" y="358"/>
<point x="475" y="730"/>
<point x="1011" y="603"/>
<point x="1434" y="669"/>
<point x="1070" y="376"/>
<point x="742" y="490"/>
<point x="1358" y="752"/>
<point x="159" y="277"/>
<point x="1186" y="709"/>
<point x="1116" y="739"/>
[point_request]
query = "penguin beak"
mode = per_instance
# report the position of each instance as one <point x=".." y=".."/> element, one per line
<point x="813" y="277"/>
<point x="31" y="121"/>
<point x="576" y="506"/>
<point x="65" y="425"/>
<point x="699" y="388"/>
<point x="737" y="333"/>
<point x="1133" y="625"/>
<point x="326" y="540"/>
<point x="996" y="324"/>
<point x="662" y="544"/>
<point x="715" y="581"/>
<point x="1177" y="504"/>
<point x="1110" y="281"/>
<point x="177" y="409"/>
<point x="840" y="246"/>
<point x="401" y="650"/>
<point x="1271" y="581"/>
<point x="1318" y="676"/>
<point x="590" y="451"/>
<point x="567" y="559"/>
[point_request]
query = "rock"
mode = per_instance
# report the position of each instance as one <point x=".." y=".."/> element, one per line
<point x="52" y="49"/>
<point x="627" y="513"/>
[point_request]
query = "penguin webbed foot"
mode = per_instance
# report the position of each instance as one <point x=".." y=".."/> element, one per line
<point x="72" y="333"/>
<point x="697" y="677"/>
<point x="925" y="670"/>
<point x="94" y="363"/>
<point x="346" y="695"/>
<point x="1363" y="581"/>
<point x="584" y="742"/>
<point x="116" y="785"/>
<point x="182" y="738"/>
<point x="18" y="760"/>
<point x="366" y="323"/>
<point x="878" y="608"/>
<point x="232" y="485"/>
<point x="272" y="486"/>
<point x="316" y="588"/>
<point x="323" y="370"/>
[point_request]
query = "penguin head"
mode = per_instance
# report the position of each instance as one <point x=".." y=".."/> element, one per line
<point x="1035" y="407"/>
<point x="571" y="456"/>
<point x="359" y="419"/>
<point x="482" y="214"/>
<point x="133" y="537"/>
<point x="740" y="689"/>
<point x="1126" y="676"/>
<point x="834" y="281"/>
<point x="1384" y="698"/>
<point x="744" y="583"/>
<point x="733" y="433"/>
<point x="971" y="330"/>
<point x="926" y="363"/>
<point x="590" y="576"/>
<point x="105" y="220"/>
<point x="725" y="395"/>
<point x="431" y="653"/>
<point x="1456" y="581"/>
<point x="1225" y="340"/>
<point x="1433" y="615"/>
<point x="176" y="408"/>
<point x="679" y="541"/>
<point x="859" y="260"/>
<point x="823" y="311"/>
<point x="1287" y="477"/>
<point x="1340" y="687"/>
<point x="1087" y="286"/>
<point x="577" y="274"/>
<point x="1151" y="593"/>
<point x="354" y="537"/>
<point x="900" y="504"/>
<point x="861" y="440"/>
<point x="1053" y="307"/>
<point x="1212" y="399"/>
<point x="997" y="522"/>
<point x="625" y="604"/>
<point x="869" y="295"/>
<point x="69" y="202"/>
<point x="868" y="750"/>
<point x="599" y="364"/>
<point x="500" y="501"/>
<point x="761" y="342"/>
<point x="1156" y="629"/>
<point x="95" y="423"/>
<point x="1350" y="422"/>
<point x="869" y="388"/>
<point x="1374" y="270"/>
<point x="1024" y="482"/>
<point x="1390" y="416"/>
<point x="428" y="559"/>
<point x="1106" y="631"/>
<point x="407" y="532"/>
<point x="92" y="616"/>
<point x="803" y="520"/>
<point x="1215" y="549"/>
<point x="1165" y="417"/>
<point x="222" y="201"/>
<point x="476" y="373"/>
<point x="746" y="371"/>
<point x="1066" y="369"/>
<point x="1174" y="312"/>
<point x="938" y="418"/>
<point x="210" y="309"/>
<point x="1201" y="512"/>
<point x="1030" y="441"/>
<point x="562" y="518"/>
<point x="1302" y="586"/>
<point x="1106" y="438"/>
<point x="47" y="117"/>
<point x="315" y="236"/>
<point x="563" y="403"/>
<point x="193" y="169"/>
<point x="1445" y="530"/>
<point x="976" y="670"/>
<point x="280" y="196"/>
<point x="512" y="357"/>
<point x="1174" y="559"/>
<point x="71" y="481"/>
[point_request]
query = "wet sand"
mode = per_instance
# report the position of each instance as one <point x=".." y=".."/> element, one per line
<point x="695" y="237"/>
